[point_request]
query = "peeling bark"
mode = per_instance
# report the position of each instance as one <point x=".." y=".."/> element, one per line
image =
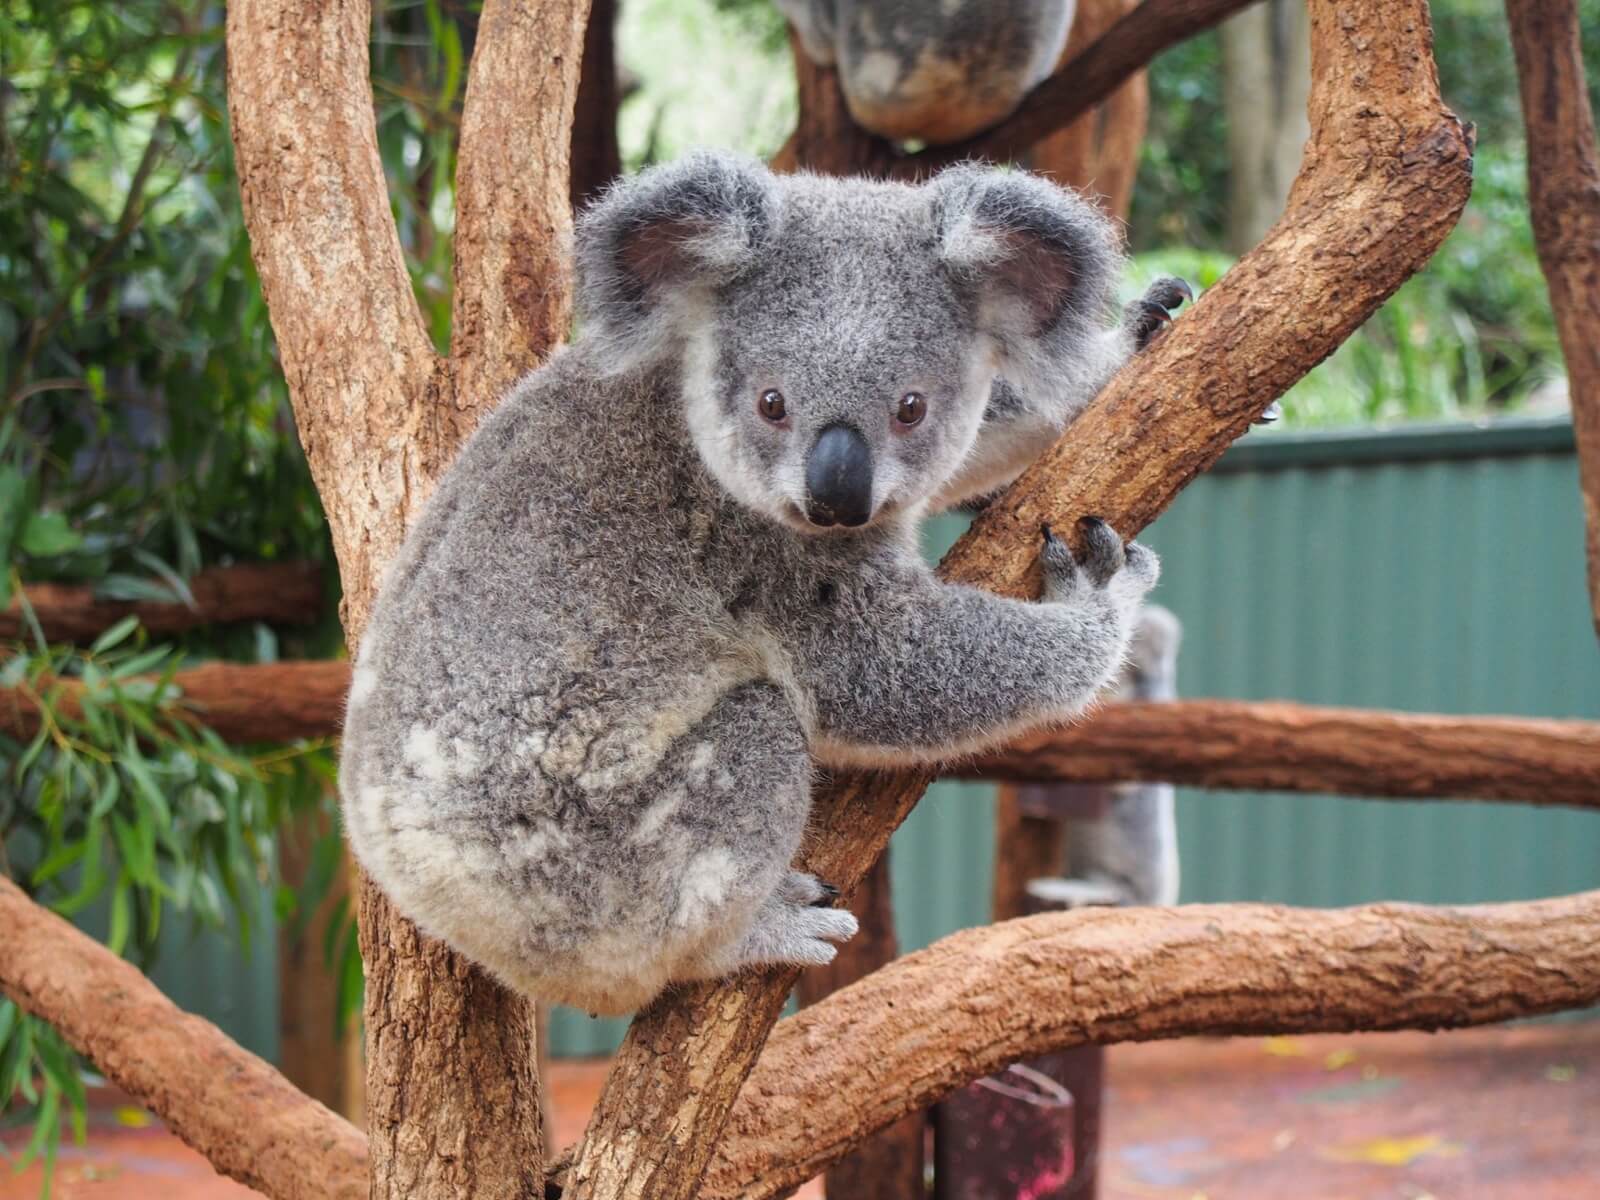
<point x="1564" y="196"/>
<point x="1384" y="179"/>
<point x="978" y="1000"/>
<point x="278" y="593"/>
<point x="452" y="1094"/>
<point x="596" y="157"/>
<point x="234" y="1108"/>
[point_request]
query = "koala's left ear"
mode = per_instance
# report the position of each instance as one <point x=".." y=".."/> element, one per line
<point x="1038" y="261"/>
<point x="653" y="243"/>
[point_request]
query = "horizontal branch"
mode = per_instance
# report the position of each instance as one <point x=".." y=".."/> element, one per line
<point x="234" y="1108"/>
<point x="278" y="593"/>
<point x="974" y="1002"/>
<point x="1278" y="746"/>
<point x="242" y="702"/>
<point x="1270" y="745"/>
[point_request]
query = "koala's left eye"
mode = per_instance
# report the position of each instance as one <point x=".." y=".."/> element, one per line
<point x="913" y="407"/>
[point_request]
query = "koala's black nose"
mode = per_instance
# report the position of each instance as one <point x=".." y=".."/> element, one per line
<point x="839" y="478"/>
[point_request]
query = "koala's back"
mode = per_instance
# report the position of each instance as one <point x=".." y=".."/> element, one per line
<point x="553" y="626"/>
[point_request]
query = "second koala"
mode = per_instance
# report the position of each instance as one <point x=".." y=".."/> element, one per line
<point x="677" y="568"/>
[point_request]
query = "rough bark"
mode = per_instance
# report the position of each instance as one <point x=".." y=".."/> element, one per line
<point x="452" y="1094"/>
<point x="890" y="1165"/>
<point x="1266" y="71"/>
<point x="513" y="294"/>
<point x="1277" y="746"/>
<point x="262" y="702"/>
<point x="1384" y="180"/>
<point x="278" y="593"/>
<point x="1564" y="196"/>
<point x="980" y="999"/>
<point x="596" y="157"/>
<point x="248" y="1120"/>
<point x="1099" y="152"/>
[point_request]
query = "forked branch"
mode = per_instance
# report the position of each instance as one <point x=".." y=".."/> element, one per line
<point x="1385" y="177"/>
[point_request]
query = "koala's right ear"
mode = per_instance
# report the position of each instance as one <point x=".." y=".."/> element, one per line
<point x="655" y="243"/>
<point x="816" y="22"/>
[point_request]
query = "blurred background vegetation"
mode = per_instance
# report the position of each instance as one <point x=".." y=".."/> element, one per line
<point x="145" y="430"/>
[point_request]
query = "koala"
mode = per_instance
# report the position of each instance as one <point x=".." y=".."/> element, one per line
<point x="675" y="571"/>
<point x="901" y="61"/>
<point x="1122" y="840"/>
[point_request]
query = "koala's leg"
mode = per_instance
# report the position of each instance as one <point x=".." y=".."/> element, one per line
<point x="902" y="668"/>
<point x="722" y="834"/>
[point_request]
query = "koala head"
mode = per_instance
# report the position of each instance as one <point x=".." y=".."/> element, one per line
<point x="836" y="340"/>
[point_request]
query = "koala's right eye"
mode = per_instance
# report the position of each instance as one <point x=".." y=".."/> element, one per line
<point x="772" y="407"/>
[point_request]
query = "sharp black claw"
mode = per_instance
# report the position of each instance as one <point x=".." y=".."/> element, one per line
<point x="1050" y="538"/>
<point x="829" y="895"/>
<point x="1183" y="286"/>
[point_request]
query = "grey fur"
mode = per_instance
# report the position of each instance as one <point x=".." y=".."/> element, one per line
<point x="934" y="70"/>
<point x="584" y="717"/>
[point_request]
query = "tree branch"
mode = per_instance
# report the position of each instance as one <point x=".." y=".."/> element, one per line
<point x="362" y="374"/>
<point x="265" y="702"/>
<point x="1385" y="177"/>
<point x="452" y="1092"/>
<point x="1278" y="746"/>
<point x="1084" y="81"/>
<point x="1564" y="197"/>
<point x="980" y="999"/>
<point x="513" y="214"/>
<point x="248" y="1120"/>
<point x="279" y="593"/>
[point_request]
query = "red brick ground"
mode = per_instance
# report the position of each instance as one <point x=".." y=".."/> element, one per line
<point x="1508" y="1114"/>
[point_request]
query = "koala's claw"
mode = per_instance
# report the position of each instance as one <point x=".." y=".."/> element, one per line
<point x="829" y="895"/>
<point x="1148" y="316"/>
<point x="1103" y="555"/>
<point x="1272" y="413"/>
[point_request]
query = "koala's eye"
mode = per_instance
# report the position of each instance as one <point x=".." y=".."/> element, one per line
<point x="771" y="406"/>
<point x="913" y="407"/>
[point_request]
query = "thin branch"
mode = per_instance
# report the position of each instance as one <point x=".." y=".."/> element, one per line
<point x="1564" y="196"/>
<point x="279" y="593"/>
<point x="1278" y="746"/>
<point x="248" y="1120"/>
<point x="970" y="1004"/>
<point x="1386" y="174"/>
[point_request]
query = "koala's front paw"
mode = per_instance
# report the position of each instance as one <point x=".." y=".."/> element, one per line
<point x="1148" y="316"/>
<point x="1120" y="572"/>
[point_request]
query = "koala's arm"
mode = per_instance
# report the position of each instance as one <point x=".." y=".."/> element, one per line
<point x="898" y="667"/>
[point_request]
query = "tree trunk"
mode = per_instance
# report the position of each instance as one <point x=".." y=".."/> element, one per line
<point x="1266" y="76"/>
<point x="596" y="157"/>
<point x="452" y="1095"/>
<point x="1564" y="195"/>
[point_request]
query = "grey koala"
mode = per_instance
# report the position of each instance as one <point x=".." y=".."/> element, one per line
<point x="935" y="70"/>
<point x="676" y="568"/>
<point x="1121" y="840"/>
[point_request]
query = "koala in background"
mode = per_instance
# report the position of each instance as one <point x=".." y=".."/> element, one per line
<point x="677" y="567"/>
<point x="901" y="61"/>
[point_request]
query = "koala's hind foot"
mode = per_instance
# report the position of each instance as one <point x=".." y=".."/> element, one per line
<point x="1148" y="316"/>
<point x="793" y="927"/>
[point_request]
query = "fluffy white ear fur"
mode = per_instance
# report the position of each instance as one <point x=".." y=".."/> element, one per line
<point x="1040" y="262"/>
<point x="651" y="247"/>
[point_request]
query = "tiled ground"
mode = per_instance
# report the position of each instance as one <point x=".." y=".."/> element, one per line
<point x="1509" y="1114"/>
